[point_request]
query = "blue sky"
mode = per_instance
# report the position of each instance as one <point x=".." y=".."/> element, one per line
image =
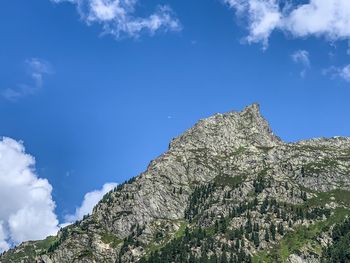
<point x="94" y="100"/>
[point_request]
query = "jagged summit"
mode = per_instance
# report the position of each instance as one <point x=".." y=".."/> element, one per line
<point x="254" y="108"/>
<point x="230" y="129"/>
<point x="227" y="190"/>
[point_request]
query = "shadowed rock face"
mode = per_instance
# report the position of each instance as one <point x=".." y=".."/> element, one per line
<point x="241" y="161"/>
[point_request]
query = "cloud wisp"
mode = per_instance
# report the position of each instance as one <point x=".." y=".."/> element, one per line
<point x="302" y="57"/>
<point x="27" y="212"/>
<point x="339" y="72"/>
<point x="119" y="18"/>
<point x="344" y="73"/>
<point x="90" y="200"/>
<point x="36" y="70"/>
<point x="329" y="19"/>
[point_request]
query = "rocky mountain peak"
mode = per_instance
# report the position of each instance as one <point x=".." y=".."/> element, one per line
<point x="227" y="190"/>
<point x="231" y="129"/>
<point x="254" y="108"/>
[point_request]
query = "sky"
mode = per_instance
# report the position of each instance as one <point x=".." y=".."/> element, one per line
<point x="92" y="90"/>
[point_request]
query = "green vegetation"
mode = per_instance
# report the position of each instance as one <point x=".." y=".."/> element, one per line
<point x="154" y="246"/>
<point x="179" y="250"/>
<point x="63" y="235"/>
<point x="181" y="231"/>
<point x="239" y="150"/>
<point x="108" y="197"/>
<point x="229" y="180"/>
<point x="188" y="237"/>
<point x="339" y="196"/>
<point x="345" y="155"/>
<point x="339" y="251"/>
<point x="260" y="183"/>
<point x="87" y="253"/>
<point x="316" y="148"/>
<point x="198" y="199"/>
<point x="319" y="166"/>
<point x="29" y="250"/>
<point x="111" y="239"/>
<point x="292" y="242"/>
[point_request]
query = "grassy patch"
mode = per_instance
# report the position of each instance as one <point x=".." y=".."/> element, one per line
<point x="46" y="243"/>
<point x="181" y="231"/>
<point x="239" y="150"/>
<point x="339" y="196"/>
<point x="153" y="246"/>
<point x="320" y="166"/>
<point x="233" y="181"/>
<point x="110" y="239"/>
<point x="28" y="251"/>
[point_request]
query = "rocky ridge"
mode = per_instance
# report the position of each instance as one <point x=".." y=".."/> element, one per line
<point x="227" y="190"/>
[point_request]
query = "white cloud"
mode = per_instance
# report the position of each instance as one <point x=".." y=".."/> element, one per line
<point x="36" y="69"/>
<point x="302" y="57"/>
<point x="118" y="18"/>
<point x="263" y="17"/>
<point x="329" y="18"/>
<point x="90" y="200"/>
<point x="320" y="18"/>
<point x="345" y="73"/>
<point x="338" y="72"/>
<point x="3" y="237"/>
<point x="27" y="209"/>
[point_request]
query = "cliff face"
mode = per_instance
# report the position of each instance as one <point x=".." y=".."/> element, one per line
<point x="227" y="189"/>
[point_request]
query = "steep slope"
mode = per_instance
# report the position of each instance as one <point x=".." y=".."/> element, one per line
<point x="227" y="190"/>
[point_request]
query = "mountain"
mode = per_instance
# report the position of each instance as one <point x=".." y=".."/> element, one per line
<point x="227" y="190"/>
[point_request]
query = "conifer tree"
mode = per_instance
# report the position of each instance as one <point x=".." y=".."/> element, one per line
<point x="256" y="239"/>
<point x="273" y="231"/>
<point x="267" y="236"/>
<point x="280" y="229"/>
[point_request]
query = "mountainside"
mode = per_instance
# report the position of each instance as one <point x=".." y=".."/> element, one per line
<point x="227" y="190"/>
